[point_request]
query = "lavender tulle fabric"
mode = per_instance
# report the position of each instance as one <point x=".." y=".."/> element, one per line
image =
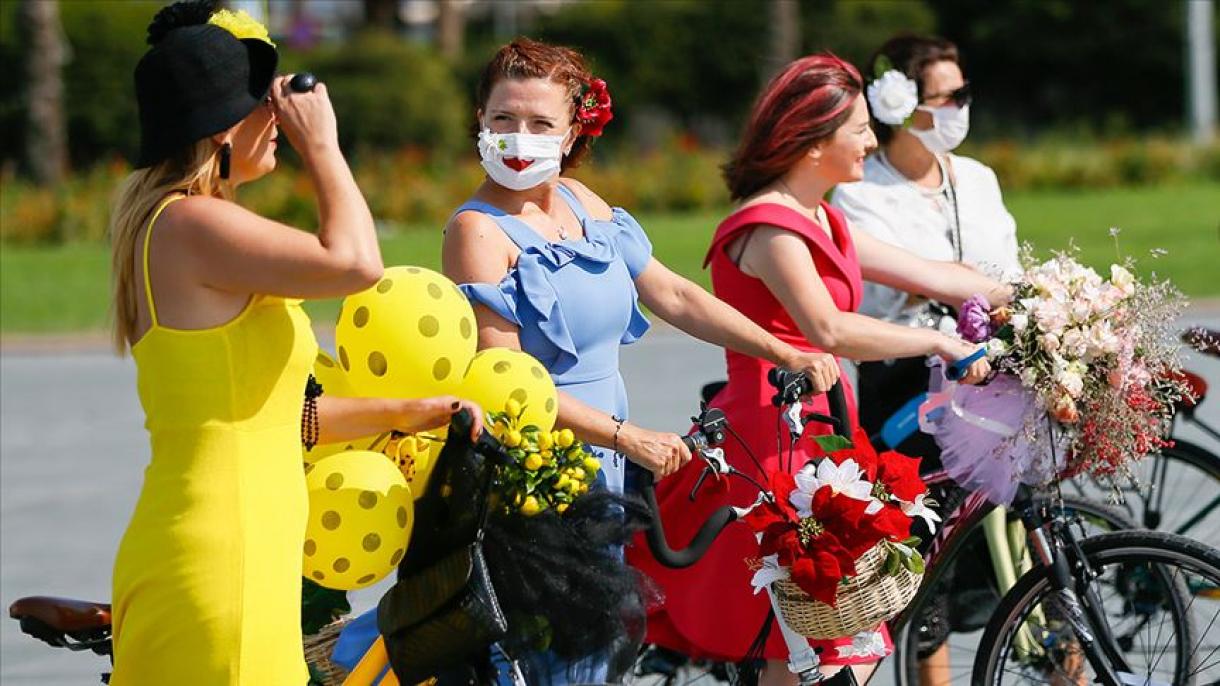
<point x="992" y="438"/>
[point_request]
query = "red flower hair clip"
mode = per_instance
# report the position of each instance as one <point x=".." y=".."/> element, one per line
<point x="593" y="108"/>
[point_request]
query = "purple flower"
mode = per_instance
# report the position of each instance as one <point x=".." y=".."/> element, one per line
<point x="974" y="319"/>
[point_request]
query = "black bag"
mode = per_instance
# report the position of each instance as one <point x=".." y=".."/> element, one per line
<point x="443" y="612"/>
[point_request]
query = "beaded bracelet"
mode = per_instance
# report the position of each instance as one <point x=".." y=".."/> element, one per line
<point x="618" y="426"/>
<point x="309" y="419"/>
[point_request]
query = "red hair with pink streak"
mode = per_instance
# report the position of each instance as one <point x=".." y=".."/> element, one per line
<point x="804" y="104"/>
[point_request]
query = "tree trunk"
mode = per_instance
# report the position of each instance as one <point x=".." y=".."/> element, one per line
<point x="46" y="135"/>
<point x="451" y="28"/>
<point x="381" y="14"/>
<point x="785" y="34"/>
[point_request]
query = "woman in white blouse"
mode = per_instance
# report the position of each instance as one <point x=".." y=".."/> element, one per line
<point x="919" y="196"/>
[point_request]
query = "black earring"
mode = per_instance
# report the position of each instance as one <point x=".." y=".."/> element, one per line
<point x="226" y="151"/>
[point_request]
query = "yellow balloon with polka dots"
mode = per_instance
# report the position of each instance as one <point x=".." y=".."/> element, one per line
<point x="497" y="374"/>
<point x="360" y="516"/>
<point x="409" y="336"/>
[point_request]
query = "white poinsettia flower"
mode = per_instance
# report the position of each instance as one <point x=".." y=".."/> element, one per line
<point x="864" y="644"/>
<point x="893" y="97"/>
<point x="919" y="509"/>
<point x="845" y="479"/>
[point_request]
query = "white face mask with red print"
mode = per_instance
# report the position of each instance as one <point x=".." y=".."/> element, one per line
<point x="520" y="161"/>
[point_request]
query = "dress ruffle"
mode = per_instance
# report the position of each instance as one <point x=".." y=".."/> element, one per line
<point x="530" y="284"/>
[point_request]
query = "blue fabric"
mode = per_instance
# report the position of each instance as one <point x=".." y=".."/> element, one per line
<point x="574" y="303"/>
<point x="355" y="640"/>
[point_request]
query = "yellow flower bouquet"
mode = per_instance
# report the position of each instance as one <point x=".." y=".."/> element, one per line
<point x="550" y="469"/>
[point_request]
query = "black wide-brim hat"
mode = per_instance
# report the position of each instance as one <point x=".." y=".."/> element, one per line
<point x="197" y="81"/>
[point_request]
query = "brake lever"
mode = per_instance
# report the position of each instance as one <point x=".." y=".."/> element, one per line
<point x="715" y="465"/>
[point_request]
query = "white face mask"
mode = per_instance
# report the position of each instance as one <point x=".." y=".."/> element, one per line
<point x="950" y="124"/>
<point x="543" y="151"/>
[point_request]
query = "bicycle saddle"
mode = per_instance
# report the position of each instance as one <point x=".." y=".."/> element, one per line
<point x="64" y="615"/>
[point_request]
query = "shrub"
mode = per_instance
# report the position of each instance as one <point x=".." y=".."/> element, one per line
<point x="389" y="93"/>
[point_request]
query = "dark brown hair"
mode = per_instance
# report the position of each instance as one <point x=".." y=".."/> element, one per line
<point x="803" y="105"/>
<point x="910" y="54"/>
<point x="530" y="59"/>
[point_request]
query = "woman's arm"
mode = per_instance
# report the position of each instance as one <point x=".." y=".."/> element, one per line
<point x="948" y="282"/>
<point x="782" y="261"/>
<point x="344" y="419"/>
<point x="690" y="308"/>
<point x="229" y="248"/>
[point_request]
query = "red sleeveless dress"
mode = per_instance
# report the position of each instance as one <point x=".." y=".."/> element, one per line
<point x="709" y="610"/>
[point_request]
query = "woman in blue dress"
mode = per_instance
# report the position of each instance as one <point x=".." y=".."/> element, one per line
<point x="553" y="270"/>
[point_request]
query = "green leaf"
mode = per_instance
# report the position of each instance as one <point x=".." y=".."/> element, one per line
<point x="913" y="541"/>
<point x="913" y="563"/>
<point x="883" y="65"/>
<point x="832" y="443"/>
<point x="892" y="560"/>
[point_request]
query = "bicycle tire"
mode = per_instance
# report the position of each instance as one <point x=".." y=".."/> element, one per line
<point x="1130" y="547"/>
<point x="906" y="639"/>
<point x="1192" y="456"/>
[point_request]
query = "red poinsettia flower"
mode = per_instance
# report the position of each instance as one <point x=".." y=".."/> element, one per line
<point x="819" y="548"/>
<point x="593" y="110"/>
<point x="893" y="473"/>
<point x="889" y="523"/>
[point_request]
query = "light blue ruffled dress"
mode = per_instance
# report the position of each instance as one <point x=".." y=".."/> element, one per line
<point x="574" y="303"/>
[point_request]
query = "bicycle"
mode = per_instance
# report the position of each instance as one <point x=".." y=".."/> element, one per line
<point x="1058" y="552"/>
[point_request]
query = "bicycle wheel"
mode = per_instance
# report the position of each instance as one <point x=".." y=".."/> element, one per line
<point x="1177" y="490"/>
<point x="1164" y="634"/>
<point x="915" y="639"/>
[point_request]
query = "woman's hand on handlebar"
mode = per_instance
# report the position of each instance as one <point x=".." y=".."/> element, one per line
<point x="954" y="349"/>
<point x="660" y="453"/>
<point x="821" y="369"/>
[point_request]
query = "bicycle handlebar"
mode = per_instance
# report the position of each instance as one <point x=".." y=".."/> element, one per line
<point x="791" y="386"/>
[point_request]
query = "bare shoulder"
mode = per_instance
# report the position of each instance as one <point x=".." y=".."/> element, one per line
<point x="474" y="229"/>
<point x="201" y="216"/>
<point x="475" y="249"/>
<point x="597" y="208"/>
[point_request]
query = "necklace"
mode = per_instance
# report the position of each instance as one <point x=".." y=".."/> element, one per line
<point x="563" y="235"/>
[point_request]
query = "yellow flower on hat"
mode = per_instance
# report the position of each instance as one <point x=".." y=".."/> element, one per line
<point x="241" y="25"/>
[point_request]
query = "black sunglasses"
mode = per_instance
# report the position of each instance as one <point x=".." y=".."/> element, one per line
<point x="960" y="97"/>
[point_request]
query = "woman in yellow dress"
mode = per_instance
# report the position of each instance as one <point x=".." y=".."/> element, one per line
<point x="207" y="579"/>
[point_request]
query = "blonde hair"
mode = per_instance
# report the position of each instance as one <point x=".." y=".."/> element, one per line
<point x="195" y="171"/>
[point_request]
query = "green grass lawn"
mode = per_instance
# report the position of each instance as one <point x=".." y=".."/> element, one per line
<point x="66" y="288"/>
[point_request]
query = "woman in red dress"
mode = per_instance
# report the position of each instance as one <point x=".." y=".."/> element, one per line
<point x="790" y="262"/>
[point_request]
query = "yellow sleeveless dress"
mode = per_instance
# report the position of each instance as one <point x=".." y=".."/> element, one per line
<point x="207" y="579"/>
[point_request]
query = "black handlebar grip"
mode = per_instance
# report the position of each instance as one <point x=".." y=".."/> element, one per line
<point x="679" y="559"/>
<point x="837" y="400"/>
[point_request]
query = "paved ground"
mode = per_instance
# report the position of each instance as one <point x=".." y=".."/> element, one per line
<point x="72" y="450"/>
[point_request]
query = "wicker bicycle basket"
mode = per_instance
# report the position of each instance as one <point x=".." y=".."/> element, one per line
<point x="317" y="654"/>
<point x="864" y="601"/>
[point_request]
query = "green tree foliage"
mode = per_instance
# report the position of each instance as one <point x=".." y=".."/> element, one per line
<point x="107" y="38"/>
<point x="1099" y="66"/>
<point x="389" y="93"/>
<point x="708" y="58"/>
